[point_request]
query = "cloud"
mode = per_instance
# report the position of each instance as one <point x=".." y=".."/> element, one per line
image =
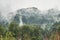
<point x="12" y="5"/>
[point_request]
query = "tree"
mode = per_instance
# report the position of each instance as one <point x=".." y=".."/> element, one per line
<point x="9" y="36"/>
<point x="25" y="32"/>
<point x="2" y="30"/>
<point x="56" y="30"/>
<point x="36" y="33"/>
<point x="15" y="29"/>
<point x="31" y="32"/>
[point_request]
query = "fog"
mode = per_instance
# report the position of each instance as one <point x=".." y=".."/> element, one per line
<point x="7" y="6"/>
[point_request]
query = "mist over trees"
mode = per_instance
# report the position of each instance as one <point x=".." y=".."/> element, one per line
<point x="35" y="26"/>
<point x="29" y="32"/>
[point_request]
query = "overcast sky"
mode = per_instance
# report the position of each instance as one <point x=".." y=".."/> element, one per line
<point x="41" y="4"/>
<point x="12" y="5"/>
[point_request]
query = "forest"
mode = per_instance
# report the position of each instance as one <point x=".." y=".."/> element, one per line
<point x="29" y="32"/>
<point x="29" y="19"/>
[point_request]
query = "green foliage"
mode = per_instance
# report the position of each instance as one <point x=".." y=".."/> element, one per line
<point x="2" y="30"/>
<point x="8" y="36"/>
<point x="55" y="31"/>
<point x="14" y="28"/>
<point x="27" y="32"/>
<point x="32" y="32"/>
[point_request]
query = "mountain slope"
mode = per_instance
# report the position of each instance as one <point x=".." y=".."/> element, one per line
<point x="33" y="15"/>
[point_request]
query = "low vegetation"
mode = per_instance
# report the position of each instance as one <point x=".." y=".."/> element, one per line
<point x="29" y="32"/>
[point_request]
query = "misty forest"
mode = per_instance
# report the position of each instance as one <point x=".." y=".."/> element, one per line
<point x="30" y="24"/>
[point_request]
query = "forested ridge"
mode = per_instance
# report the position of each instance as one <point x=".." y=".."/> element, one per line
<point x="31" y="24"/>
<point x="29" y="32"/>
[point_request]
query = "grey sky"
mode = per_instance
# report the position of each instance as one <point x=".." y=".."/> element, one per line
<point x="41" y="4"/>
<point x="12" y="5"/>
